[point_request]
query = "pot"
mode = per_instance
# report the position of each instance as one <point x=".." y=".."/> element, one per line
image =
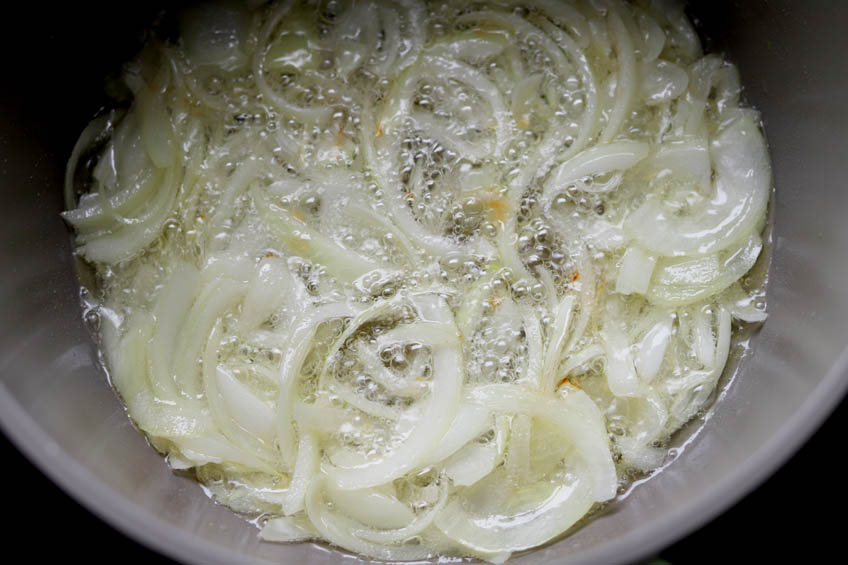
<point x="57" y="408"/>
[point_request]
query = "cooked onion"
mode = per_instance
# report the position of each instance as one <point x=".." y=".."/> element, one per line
<point x="421" y="280"/>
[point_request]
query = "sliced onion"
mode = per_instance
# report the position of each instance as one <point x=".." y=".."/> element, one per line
<point x="703" y="338"/>
<point x="250" y="412"/>
<point x="172" y="306"/>
<point x="517" y="457"/>
<point x="388" y="51"/>
<point x="586" y="292"/>
<point x="708" y="74"/>
<point x="366" y="214"/>
<point x="557" y="342"/>
<point x="157" y="130"/>
<point x="123" y="242"/>
<point x="288" y="529"/>
<point x="305" y="469"/>
<point x="398" y="104"/>
<point x="684" y="281"/>
<point x="427" y="428"/>
<point x="475" y="461"/>
<point x="271" y="290"/>
<point x="341" y="530"/>
<point x="307" y="115"/>
<point x="567" y="16"/>
<point x="458" y="466"/>
<point x="390" y="381"/>
<point x="647" y="418"/>
<point x="307" y="242"/>
<point x="682" y="34"/>
<point x="622" y="379"/>
<point x="471" y="420"/>
<point x="626" y="79"/>
<point x="304" y="328"/>
<point x="581" y="358"/>
<point x="216" y="33"/>
<point x="742" y="178"/>
<point x="380" y="154"/>
<point x="634" y="275"/>
<point x="742" y="305"/>
<point x="216" y="299"/>
<point x="178" y="419"/>
<point x="473" y="47"/>
<point x="355" y="37"/>
<point x="574" y="413"/>
<point x="99" y="129"/>
<point x="231" y="413"/>
<point x="653" y="36"/>
<point x="534" y="373"/>
<point x="692" y="390"/>
<point x="215" y="448"/>
<point x="684" y="160"/>
<point x="662" y="81"/>
<point x="598" y="159"/>
<point x="652" y="348"/>
<point x="413" y="38"/>
<point x="377" y="507"/>
<point x="370" y="407"/>
<point x="500" y="528"/>
<point x="98" y="212"/>
<point x="416" y="526"/>
<point x="237" y="184"/>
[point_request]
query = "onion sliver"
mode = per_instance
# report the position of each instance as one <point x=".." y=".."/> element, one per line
<point x="742" y="180"/>
<point x="429" y="426"/>
<point x="574" y="413"/>
<point x="499" y="529"/>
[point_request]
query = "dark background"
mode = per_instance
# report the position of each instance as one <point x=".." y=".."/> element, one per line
<point x="45" y="83"/>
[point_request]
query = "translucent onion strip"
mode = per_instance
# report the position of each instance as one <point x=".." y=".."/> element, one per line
<point x="575" y="414"/>
<point x="429" y="427"/>
<point x="341" y="530"/>
<point x="308" y="115"/>
<point x="741" y="191"/>
<point x="626" y="79"/>
<point x="560" y="509"/>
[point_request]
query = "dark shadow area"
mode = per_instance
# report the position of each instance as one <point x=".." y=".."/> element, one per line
<point x="794" y="513"/>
